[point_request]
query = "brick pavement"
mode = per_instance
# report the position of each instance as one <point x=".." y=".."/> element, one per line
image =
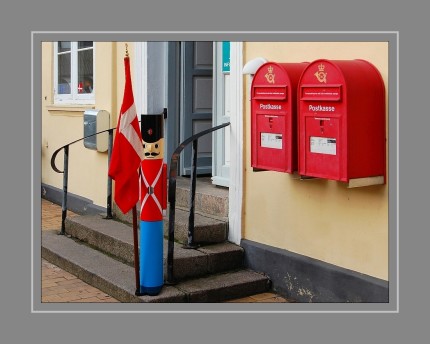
<point x="60" y="286"/>
<point x="51" y="215"/>
<point x="57" y="284"/>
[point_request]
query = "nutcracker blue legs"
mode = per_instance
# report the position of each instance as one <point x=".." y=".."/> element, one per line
<point x="151" y="257"/>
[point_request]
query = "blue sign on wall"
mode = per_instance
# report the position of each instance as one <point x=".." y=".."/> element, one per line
<point x="226" y="57"/>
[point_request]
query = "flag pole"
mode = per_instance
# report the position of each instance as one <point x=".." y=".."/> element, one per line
<point x="135" y="235"/>
<point x="136" y="252"/>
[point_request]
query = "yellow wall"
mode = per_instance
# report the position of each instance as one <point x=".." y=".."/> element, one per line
<point x="317" y="218"/>
<point x="63" y="124"/>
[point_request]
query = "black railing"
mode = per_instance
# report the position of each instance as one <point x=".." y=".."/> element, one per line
<point x="66" y="176"/>
<point x="173" y="170"/>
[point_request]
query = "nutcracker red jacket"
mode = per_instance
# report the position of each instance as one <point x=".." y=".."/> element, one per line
<point x="153" y="189"/>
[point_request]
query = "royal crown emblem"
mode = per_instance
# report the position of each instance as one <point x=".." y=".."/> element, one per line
<point x="321" y="75"/>
<point x="270" y="76"/>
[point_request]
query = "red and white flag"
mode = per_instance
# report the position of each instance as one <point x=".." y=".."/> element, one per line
<point x="127" y="151"/>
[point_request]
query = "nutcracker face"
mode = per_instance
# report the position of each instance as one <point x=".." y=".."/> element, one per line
<point x="154" y="150"/>
<point x="151" y="127"/>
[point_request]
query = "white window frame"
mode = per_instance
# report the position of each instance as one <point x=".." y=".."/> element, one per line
<point x="74" y="97"/>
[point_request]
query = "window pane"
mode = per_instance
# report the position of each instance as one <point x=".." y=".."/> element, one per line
<point x="85" y="71"/>
<point x="63" y="46"/>
<point x="64" y="73"/>
<point x="85" y="44"/>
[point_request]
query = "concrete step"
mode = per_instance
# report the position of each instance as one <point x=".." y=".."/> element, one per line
<point x="207" y="228"/>
<point x="118" y="280"/>
<point x="116" y="239"/>
<point x="209" y="199"/>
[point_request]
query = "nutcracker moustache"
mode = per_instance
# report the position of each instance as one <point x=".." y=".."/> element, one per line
<point x="153" y="200"/>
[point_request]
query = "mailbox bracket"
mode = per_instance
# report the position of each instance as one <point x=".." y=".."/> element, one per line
<point x="308" y="178"/>
<point x="358" y="182"/>
<point x="258" y="170"/>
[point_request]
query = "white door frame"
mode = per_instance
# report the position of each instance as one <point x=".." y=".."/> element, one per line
<point x="236" y="143"/>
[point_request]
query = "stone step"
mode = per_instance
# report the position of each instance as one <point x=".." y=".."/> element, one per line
<point x="209" y="199"/>
<point x="116" y="239"/>
<point x="118" y="280"/>
<point x="207" y="228"/>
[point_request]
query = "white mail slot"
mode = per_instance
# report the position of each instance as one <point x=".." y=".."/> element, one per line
<point x="270" y="140"/>
<point x="323" y="145"/>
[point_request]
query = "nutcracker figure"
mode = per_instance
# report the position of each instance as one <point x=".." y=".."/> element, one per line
<point x="153" y="201"/>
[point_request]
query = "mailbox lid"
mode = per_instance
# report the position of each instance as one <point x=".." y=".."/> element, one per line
<point x="340" y="80"/>
<point x="276" y="81"/>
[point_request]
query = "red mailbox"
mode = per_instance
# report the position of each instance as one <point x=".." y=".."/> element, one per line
<point x="273" y="116"/>
<point x="342" y="122"/>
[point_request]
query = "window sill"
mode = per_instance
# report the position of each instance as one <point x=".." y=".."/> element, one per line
<point x="69" y="108"/>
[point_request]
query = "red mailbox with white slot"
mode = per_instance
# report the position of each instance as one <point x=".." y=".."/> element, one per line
<point x="342" y="122"/>
<point x="274" y="116"/>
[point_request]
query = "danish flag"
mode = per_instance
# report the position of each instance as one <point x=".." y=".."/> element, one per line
<point x="127" y="151"/>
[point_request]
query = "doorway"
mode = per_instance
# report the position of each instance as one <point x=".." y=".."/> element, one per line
<point x="227" y="108"/>
<point x="190" y="96"/>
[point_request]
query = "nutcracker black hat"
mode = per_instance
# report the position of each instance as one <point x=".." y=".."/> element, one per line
<point x="151" y="127"/>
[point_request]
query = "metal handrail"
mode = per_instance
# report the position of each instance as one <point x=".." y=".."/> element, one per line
<point x="66" y="173"/>
<point x="66" y="176"/>
<point x="173" y="171"/>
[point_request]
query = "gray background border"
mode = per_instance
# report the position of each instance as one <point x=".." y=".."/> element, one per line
<point x="18" y="19"/>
